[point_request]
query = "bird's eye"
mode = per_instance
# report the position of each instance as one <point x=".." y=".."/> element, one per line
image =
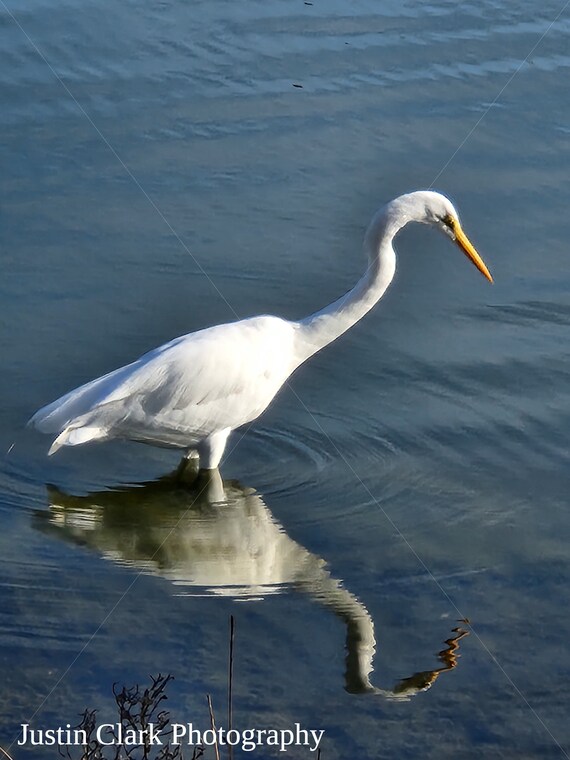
<point x="449" y="221"/>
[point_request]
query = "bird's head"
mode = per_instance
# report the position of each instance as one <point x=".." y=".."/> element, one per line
<point x="429" y="207"/>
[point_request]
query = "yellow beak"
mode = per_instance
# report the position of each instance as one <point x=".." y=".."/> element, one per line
<point x="463" y="242"/>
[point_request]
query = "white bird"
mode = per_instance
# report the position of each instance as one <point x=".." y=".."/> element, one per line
<point x="192" y="392"/>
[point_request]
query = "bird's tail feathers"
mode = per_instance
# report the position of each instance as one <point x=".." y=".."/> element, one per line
<point x="75" y="436"/>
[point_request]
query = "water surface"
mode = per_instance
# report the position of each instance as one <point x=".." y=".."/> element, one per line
<point x="161" y="173"/>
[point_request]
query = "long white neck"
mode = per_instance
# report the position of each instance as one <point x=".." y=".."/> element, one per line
<point x="321" y="328"/>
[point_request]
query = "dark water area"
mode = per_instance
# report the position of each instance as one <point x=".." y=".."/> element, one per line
<point x="161" y="172"/>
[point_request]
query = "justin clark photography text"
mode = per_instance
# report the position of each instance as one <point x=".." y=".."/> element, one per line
<point x="116" y="734"/>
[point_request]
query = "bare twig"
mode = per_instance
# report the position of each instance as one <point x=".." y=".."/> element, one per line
<point x="213" y="725"/>
<point x="3" y="751"/>
<point x="230" y="681"/>
<point x="140" y="712"/>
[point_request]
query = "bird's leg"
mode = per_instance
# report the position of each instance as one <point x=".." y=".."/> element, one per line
<point x="210" y="449"/>
<point x="210" y="486"/>
<point x="187" y="470"/>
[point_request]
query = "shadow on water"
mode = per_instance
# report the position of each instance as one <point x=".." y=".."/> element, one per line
<point x="219" y="538"/>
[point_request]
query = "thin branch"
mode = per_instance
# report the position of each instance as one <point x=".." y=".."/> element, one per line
<point x="230" y="681"/>
<point x="213" y="725"/>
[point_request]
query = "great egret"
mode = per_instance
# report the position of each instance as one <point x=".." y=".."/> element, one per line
<point x="192" y="392"/>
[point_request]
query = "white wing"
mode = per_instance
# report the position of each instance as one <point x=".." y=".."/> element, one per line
<point x="217" y="378"/>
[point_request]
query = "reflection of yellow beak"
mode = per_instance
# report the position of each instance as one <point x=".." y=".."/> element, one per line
<point x="463" y="242"/>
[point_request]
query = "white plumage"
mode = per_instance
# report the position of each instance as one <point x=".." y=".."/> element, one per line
<point x="193" y="391"/>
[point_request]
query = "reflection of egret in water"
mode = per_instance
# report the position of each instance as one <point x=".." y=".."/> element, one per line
<point x="220" y="538"/>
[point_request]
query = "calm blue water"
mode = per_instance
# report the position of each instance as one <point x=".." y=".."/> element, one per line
<point x="161" y="173"/>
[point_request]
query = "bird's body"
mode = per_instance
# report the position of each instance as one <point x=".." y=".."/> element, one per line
<point x="193" y="391"/>
<point x="190" y="392"/>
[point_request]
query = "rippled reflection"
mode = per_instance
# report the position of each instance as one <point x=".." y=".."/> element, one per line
<point x="210" y="536"/>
